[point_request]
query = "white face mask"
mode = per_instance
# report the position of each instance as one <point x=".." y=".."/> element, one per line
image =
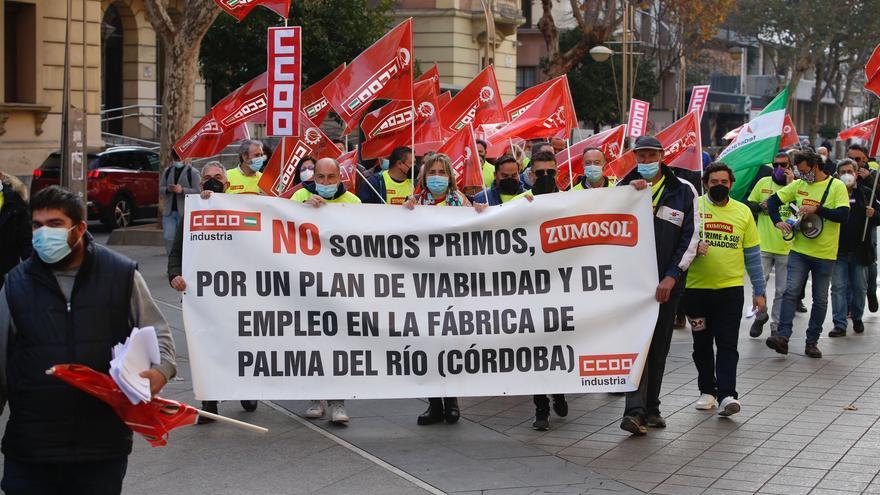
<point x="306" y="175"/>
<point x="848" y="179"/>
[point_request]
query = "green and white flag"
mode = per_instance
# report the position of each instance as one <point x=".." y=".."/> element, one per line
<point x="755" y="145"/>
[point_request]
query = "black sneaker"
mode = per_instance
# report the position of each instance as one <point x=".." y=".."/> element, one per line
<point x="560" y="406"/>
<point x="777" y="343"/>
<point x="837" y="332"/>
<point x="208" y="406"/>
<point x="542" y="422"/>
<point x="758" y="325"/>
<point x="872" y="302"/>
<point x="801" y="308"/>
<point x="655" y="421"/>
<point x="633" y="424"/>
<point x="812" y="350"/>
<point x="858" y="326"/>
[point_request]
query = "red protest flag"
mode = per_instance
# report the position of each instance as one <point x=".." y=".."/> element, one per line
<point x="461" y="149"/>
<point x="518" y="105"/>
<point x="549" y="114"/>
<point x="314" y="104"/>
<point x="348" y="169"/>
<point x="789" y="133"/>
<point x="153" y="420"/>
<point x="875" y="142"/>
<point x="862" y="130"/>
<point x="638" y="118"/>
<point x="432" y="74"/>
<point x="280" y="171"/>
<point x="283" y="84"/>
<point x="384" y="70"/>
<point x="428" y="134"/>
<point x="681" y="148"/>
<point x="444" y="99"/>
<point x="477" y="103"/>
<point x="207" y="139"/>
<point x="872" y="72"/>
<point x="246" y="104"/>
<point x="387" y="128"/>
<point x="241" y="8"/>
<point x="610" y="142"/>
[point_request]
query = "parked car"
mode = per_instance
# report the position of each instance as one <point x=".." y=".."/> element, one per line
<point x="123" y="183"/>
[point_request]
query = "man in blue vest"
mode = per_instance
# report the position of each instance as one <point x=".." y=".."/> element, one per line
<point x="70" y="303"/>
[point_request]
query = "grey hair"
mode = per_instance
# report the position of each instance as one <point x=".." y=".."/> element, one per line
<point x="846" y="161"/>
<point x="214" y="163"/>
<point x="245" y="146"/>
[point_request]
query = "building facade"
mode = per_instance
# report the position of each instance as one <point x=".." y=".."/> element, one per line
<point x="454" y="34"/>
<point x="122" y="76"/>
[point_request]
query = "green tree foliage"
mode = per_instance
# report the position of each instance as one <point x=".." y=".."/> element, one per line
<point x="593" y="85"/>
<point x="333" y="32"/>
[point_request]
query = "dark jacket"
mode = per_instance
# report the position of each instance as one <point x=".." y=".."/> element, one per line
<point x="51" y="421"/>
<point x="15" y="231"/>
<point x="851" y="231"/>
<point x="367" y="194"/>
<point x="676" y="225"/>
<point x="492" y="196"/>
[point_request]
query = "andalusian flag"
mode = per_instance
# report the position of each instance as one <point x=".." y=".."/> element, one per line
<point x="755" y="145"/>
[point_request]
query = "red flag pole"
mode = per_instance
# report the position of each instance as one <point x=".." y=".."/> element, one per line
<point x="873" y="143"/>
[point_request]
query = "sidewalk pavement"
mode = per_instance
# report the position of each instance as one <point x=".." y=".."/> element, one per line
<point x="807" y="426"/>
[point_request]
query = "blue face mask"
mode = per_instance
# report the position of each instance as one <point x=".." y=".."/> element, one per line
<point x="438" y="184"/>
<point x="326" y="191"/>
<point x="257" y="163"/>
<point x="649" y="170"/>
<point x="178" y="164"/>
<point x="593" y="172"/>
<point x="50" y="243"/>
<point x="385" y="164"/>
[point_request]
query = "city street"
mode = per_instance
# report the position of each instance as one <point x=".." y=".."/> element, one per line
<point x="807" y="426"/>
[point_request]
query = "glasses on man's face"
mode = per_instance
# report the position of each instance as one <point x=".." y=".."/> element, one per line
<point x="781" y="164"/>
<point x="541" y="173"/>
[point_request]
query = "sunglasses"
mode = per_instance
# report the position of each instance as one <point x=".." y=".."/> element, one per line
<point x="541" y="173"/>
<point x="781" y="164"/>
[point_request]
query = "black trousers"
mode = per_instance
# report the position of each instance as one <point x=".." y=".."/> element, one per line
<point x="646" y="400"/>
<point x="70" y="478"/>
<point x="542" y="402"/>
<point x="715" y="315"/>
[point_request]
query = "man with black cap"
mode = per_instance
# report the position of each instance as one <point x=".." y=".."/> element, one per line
<point x="676" y="234"/>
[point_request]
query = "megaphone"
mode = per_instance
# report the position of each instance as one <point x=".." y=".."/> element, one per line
<point x="811" y="225"/>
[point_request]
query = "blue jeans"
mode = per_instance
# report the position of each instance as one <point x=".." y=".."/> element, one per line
<point x="799" y="267"/>
<point x="169" y="229"/>
<point x="848" y="278"/>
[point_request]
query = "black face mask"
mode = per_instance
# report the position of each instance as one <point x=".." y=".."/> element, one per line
<point x="509" y="185"/>
<point x="213" y="185"/>
<point x="718" y="193"/>
<point x="544" y="184"/>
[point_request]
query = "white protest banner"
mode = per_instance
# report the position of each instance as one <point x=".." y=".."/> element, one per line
<point x="288" y="301"/>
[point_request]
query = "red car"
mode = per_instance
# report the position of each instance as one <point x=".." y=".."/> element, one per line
<point x="123" y="183"/>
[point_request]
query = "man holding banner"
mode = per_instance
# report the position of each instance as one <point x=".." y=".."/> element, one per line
<point x="676" y="234"/>
<point x="326" y="188"/>
<point x="506" y="185"/>
<point x="594" y="170"/>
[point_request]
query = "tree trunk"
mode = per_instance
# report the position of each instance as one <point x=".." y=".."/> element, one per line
<point x="179" y="95"/>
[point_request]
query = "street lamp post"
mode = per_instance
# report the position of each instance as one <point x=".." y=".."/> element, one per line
<point x="601" y="53"/>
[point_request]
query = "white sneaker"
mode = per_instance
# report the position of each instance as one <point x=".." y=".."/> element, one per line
<point x="706" y="402"/>
<point x="729" y="407"/>
<point x="315" y="410"/>
<point x="337" y="412"/>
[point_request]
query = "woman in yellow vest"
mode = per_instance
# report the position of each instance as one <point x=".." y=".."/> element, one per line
<point x="436" y="187"/>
